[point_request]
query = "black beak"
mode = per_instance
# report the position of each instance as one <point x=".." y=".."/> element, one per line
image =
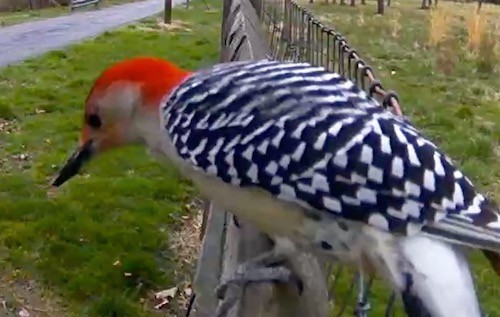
<point x="74" y="163"/>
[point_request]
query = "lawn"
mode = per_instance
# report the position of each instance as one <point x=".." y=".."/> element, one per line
<point x="448" y="90"/>
<point x="11" y="18"/>
<point x="103" y="243"/>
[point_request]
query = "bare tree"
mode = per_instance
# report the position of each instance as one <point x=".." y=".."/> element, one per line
<point x="425" y="4"/>
<point x="380" y="7"/>
<point x="353" y="3"/>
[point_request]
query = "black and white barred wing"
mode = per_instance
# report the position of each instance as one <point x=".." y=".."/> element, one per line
<point x="312" y="137"/>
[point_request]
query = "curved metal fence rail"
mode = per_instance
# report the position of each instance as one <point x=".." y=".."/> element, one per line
<point x="293" y="33"/>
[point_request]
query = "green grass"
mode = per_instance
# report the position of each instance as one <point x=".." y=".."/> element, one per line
<point x="68" y="243"/>
<point x="460" y="112"/>
<point x="20" y="16"/>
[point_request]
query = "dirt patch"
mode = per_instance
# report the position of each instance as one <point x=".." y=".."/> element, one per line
<point x="185" y="244"/>
<point x="8" y="126"/>
<point x="174" y="25"/>
<point x="24" y="298"/>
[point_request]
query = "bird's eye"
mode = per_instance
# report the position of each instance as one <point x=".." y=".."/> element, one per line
<point x="94" y="121"/>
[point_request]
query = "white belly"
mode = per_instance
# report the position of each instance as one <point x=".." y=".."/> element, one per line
<point x="272" y="216"/>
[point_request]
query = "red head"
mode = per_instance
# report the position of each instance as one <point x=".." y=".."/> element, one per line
<point x="124" y="99"/>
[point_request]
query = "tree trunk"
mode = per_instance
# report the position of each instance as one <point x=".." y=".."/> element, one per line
<point x="380" y="7"/>
<point x="353" y="3"/>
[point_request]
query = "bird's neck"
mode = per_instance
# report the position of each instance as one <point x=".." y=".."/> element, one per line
<point x="147" y="128"/>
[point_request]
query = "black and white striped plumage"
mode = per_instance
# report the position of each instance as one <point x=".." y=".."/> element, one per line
<point x="312" y="137"/>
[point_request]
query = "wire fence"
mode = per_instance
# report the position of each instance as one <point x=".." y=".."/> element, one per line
<point x="294" y="34"/>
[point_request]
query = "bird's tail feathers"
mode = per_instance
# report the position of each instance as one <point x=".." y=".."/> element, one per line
<point x="478" y="231"/>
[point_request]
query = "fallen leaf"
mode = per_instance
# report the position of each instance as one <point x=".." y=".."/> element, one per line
<point x="23" y="313"/>
<point x="163" y="303"/>
<point x="166" y="293"/>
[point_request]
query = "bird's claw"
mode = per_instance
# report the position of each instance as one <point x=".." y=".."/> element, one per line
<point x="362" y="309"/>
<point x="243" y="277"/>
<point x="278" y="274"/>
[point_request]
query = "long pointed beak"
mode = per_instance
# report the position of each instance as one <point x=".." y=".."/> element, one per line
<point x="73" y="165"/>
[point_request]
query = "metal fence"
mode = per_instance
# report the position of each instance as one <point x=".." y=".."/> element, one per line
<point x="293" y="33"/>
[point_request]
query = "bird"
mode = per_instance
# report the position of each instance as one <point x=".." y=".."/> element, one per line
<point x="307" y="157"/>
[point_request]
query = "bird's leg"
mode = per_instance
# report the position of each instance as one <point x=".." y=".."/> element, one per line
<point x="363" y="305"/>
<point x="267" y="267"/>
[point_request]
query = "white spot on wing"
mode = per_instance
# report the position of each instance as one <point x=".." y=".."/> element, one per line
<point x="262" y="148"/>
<point x="439" y="215"/>
<point x="397" y="169"/>
<point x="298" y="132"/>
<point x="340" y="160"/>
<point x="429" y="181"/>
<point x="248" y="153"/>
<point x="412" y="208"/>
<point x="399" y="134"/>
<point x="458" y="195"/>
<point x="299" y="151"/>
<point x="385" y="144"/>
<point x="375" y="174"/>
<point x="412" y="188"/>
<point x="494" y="224"/>
<point x="287" y="192"/>
<point x="350" y="200"/>
<point x="356" y="178"/>
<point x="212" y="169"/>
<point x="276" y="180"/>
<point x="306" y="188"/>
<point x="199" y="148"/>
<point x="277" y="139"/>
<point x="396" y="213"/>
<point x="366" y="154"/>
<point x="332" y="204"/>
<point x="367" y="195"/>
<point x="448" y="204"/>
<point x="412" y="155"/>
<point x="320" y="182"/>
<point x="438" y="165"/>
<point x="272" y="168"/>
<point x="252" y="172"/>
<point x="284" y="161"/>
<point x="320" y="142"/>
<point x="378" y="221"/>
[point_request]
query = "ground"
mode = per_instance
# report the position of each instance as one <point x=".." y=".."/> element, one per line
<point x="30" y="39"/>
<point x="11" y="18"/>
<point x="446" y="90"/>
<point x="102" y="244"/>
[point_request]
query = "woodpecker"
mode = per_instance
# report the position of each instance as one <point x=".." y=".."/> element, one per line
<point x="302" y="154"/>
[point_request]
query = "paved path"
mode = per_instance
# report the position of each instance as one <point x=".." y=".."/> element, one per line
<point x="25" y="40"/>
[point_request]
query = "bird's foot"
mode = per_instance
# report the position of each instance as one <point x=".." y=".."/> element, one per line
<point x="363" y="305"/>
<point x="259" y="270"/>
<point x="362" y="309"/>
